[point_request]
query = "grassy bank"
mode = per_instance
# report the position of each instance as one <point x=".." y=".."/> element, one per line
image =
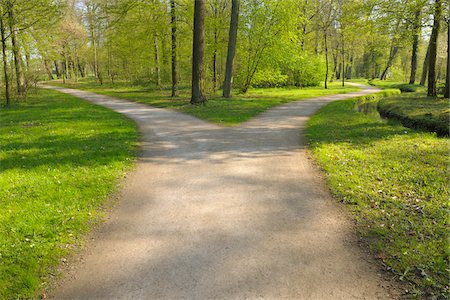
<point x="60" y="159"/>
<point x="402" y="86"/>
<point x="416" y="110"/>
<point x="395" y="181"/>
<point x="218" y="110"/>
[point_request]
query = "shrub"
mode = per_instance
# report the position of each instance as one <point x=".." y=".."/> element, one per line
<point x="269" y="78"/>
<point x="305" y="70"/>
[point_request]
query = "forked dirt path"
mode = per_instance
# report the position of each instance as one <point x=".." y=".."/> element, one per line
<point x="224" y="213"/>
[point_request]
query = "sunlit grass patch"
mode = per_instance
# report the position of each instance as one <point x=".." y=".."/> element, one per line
<point x="60" y="159"/>
<point x="396" y="181"/>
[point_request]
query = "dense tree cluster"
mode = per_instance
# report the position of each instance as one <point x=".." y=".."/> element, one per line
<point x="272" y="42"/>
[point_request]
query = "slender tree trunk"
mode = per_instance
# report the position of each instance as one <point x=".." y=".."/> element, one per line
<point x="16" y="50"/>
<point x="343" y="60"/>
<point x="232" y="38"/>
<point x="326" y="59"/>
<point x="432" y="92"/>
<point x="214" y="62"/>
<point x="392" y="54"/>
<point x="157" y="68"/>
<point x="423" y="78"/>
<point x="198" y="53"/>
<point x="58" y="74"/>
<point x="447" y="78"/>
<point x="48" y="68"/>
<point x="415" y="44"/>
<point x="174" y="46"/>
<point x="5" y="61"/>
<point x="349" y="69"/>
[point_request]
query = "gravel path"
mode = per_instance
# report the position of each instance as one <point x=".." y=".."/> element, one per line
<point x="224" y="213"/>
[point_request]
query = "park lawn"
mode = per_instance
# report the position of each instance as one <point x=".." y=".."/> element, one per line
<point x="395" y="181"/>
<point x="416" y="110"/>
<point x="391" y="84"/>
<point x="227" y="112"/>
<point x="60" y="159"/>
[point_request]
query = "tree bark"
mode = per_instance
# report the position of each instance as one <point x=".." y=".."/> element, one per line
<point x="16" y="50"/>
<point x="326" y="59"/>
<point x="157" y="68"/>
<point x="415" y="44"/>
<point x="174" y="46"/>
<point x="214" y="62"/>
<point x="232" y="38"/>
<point x="343" y="60"/>
<point x="5" y="61"/>
<point x="432" y="92"/>
<point x="58" y="74"/>
<point x="392" y="54"/>
<point x="447" y="79"/>
<point x="198" y="53"/>
<point x="423" y="78"/>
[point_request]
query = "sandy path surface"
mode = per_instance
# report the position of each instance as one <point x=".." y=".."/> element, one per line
<point x="224" y="213"/>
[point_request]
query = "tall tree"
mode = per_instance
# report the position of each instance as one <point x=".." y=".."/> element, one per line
<point x="447" y="78"/>
<point x="426" y="60"/>
<point x="18" y="64"/>
<point x="232" y="38"/>
<point x="173" y="23"/>
<point x="5" y="59"/>
<point x="415" y="46"/>
<point x="198" y="50"/>
<point x="432" y="92"/>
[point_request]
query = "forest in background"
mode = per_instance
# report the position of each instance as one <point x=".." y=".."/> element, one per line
<point x="279" y="43"/>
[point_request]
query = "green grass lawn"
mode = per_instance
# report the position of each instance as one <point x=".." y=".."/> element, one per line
<point x="218" y="110"/>
<point x="416" y="110"/>
<point x="391" y="84"/>
<point x="396" y="181"/>
<point x="60" y="159"/>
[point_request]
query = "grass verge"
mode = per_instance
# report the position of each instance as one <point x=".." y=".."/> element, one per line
<point x="218" y="110"/>
<point x="60" y="159"/>
<point x="416" y="110"/>
<point x="395" y="181"/>
<point x="403" y="87"/>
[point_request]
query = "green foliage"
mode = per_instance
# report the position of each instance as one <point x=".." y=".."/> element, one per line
<point x="269" y="78"/>
<point x="305" y="70"/>
<point x="416" y="110"/>
<point x="60" y="159"/>
<point x="395" y="181"/>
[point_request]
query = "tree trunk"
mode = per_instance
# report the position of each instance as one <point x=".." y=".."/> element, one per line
<point x="214" y="62"/>
<point x="198" y="53"/>
<point x="232" y="38"/>
<point x="16" y="50"/>
<point x="447" y="79"/>
<point x="432" y="92"/>
<point x="349" y="69"/>
<point x="5" y="61"/>
<point x="326" y="59"/>
<point x="423" y="79"/>
<point x="343" y="60"/>
<point x="58" y="74"/>
<point x="157" y="68"/>
<point x="392" y="54"/>
<point x="415" y="44"/>
<point x="48" y="68"/>
<point x="174" y="46"/>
